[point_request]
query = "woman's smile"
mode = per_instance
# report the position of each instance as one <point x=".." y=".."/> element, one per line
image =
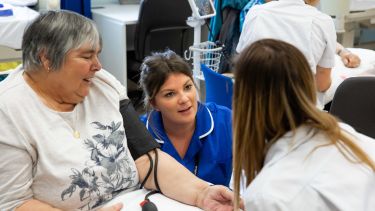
<point x="88" y="80"/>
<point x="185" y="110"/>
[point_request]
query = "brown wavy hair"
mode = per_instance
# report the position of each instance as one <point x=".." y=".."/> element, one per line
<point x="275" y="93"/>
<point x="156" y="69"/>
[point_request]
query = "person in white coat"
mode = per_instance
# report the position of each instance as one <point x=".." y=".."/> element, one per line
<point x="300" y="23"/>
<point x="294" y="156"/>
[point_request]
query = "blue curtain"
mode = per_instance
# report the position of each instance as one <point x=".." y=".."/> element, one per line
<point x="80" y="6"/>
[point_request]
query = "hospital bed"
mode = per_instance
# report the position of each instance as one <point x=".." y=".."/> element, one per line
<point x="339" y="72"/>
<point x="11" y="31"/>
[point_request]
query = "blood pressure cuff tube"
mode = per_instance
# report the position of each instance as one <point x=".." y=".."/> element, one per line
<point x="139" y="139"/>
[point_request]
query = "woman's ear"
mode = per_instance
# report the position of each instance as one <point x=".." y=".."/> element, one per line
<point x="153" y="104"/>
<point x="45" y="61"/>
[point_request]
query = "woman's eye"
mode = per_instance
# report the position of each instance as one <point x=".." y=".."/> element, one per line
<point x="87" y="56"/>
<point x="188" y="87"/>
<point x="169" y="94"/>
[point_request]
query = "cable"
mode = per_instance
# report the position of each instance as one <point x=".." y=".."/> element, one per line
<point x="149" y="171"/>
<point x="209" y="28"/>
<point x="224" y="50"/>
<point x="146" y="204"/>
<point x="155" y="171"/>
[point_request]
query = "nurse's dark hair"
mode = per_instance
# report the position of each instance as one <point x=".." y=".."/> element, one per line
<point x="155" y="70"/>
<point x="54" y="34"/>
<point x="275" y="93"/>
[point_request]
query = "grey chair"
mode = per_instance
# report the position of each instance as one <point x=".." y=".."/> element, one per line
<point x="161" y="25"/>
<point x="354" y="104"/>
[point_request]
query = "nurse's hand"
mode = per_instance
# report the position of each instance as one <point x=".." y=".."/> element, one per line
<point x="115" y="207"/>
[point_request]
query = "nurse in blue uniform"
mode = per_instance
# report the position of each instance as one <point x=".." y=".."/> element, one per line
<point x="197" y="135"/>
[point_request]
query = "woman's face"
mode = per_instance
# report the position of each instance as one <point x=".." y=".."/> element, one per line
<point x="73" y="79"/>
<point x="177" y="99"/>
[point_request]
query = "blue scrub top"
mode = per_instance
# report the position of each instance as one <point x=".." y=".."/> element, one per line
<point x="211" y="143"/>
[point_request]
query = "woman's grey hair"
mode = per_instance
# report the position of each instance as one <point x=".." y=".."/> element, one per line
<point x="155" y="70"/>
<point x="54" y="34"/>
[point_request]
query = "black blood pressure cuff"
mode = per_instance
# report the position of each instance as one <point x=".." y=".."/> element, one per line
<point x="139" y="139"/>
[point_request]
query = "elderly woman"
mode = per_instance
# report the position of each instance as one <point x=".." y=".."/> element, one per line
<point x="63" y="144"/>
<point x="198" y="135"/>
<point x="295" y="156"/>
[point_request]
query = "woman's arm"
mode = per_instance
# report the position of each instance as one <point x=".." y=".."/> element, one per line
<point x="174" y="179"/>
<point x="348" y="58"/>
<point x="36" y="205"/>
<point x="323" y="78"/>
<point x="180" y="184"/>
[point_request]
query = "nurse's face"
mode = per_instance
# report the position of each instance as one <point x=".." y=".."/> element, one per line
<point x="177" y="100"/>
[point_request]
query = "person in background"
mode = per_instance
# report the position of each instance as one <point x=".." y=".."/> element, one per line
<point x="63" y="144"/>
<point x="348" y="58"/>
<point x="294" y="156"/>
<point x="246" y="9"/>
<point x="300" y="23"/>
<point x="197" y="135"/>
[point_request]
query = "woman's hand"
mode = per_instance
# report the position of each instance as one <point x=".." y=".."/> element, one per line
<point x="350" y="59"/>
<point x="115" y="207"/>
<point x="217" y="197"/>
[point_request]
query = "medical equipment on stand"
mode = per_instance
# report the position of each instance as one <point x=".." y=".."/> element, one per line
<point x="203" y="52"/>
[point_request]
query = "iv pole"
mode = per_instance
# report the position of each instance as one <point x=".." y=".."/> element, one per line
<point x="196" y="21"/>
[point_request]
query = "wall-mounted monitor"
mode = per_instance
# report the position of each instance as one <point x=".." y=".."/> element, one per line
<point x="202" y="8"/>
